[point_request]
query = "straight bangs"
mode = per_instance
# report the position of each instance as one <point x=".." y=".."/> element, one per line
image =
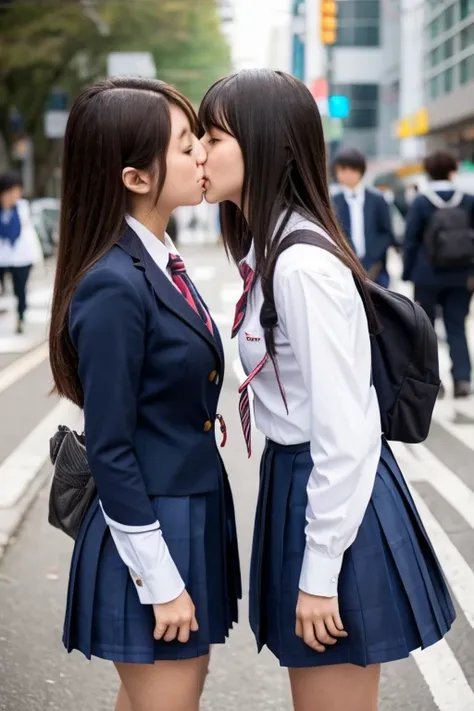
<point x="217" y="109"/>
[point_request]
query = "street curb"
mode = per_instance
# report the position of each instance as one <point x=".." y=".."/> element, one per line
<point x="25" y="471"/>
<point x="12" y="518"/>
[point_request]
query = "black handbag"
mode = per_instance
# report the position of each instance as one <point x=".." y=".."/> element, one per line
<point x="73" y="488"/>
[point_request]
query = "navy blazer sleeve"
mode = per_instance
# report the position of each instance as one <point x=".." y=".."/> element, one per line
<point x="108" y="326"/>
<point x="385" y="231"/>
<point x="414" y="228"/>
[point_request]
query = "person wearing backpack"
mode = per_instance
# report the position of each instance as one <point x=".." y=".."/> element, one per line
<point x="439" y="258"/>
<point x="343" y="576"/>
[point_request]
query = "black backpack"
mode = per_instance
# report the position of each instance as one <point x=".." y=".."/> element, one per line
<point x="405" y="370"/>
<point x="449" y="237"/>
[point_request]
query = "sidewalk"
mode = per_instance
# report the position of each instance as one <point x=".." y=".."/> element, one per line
<point x="40" y="291"/>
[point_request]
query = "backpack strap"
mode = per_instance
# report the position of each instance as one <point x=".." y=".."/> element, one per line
<point x="318" y="240"/>
<point x="268" y="315"/>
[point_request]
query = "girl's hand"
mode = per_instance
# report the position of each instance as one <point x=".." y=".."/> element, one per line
<point x="318" y="621"/>
<point x="175" y="619"/>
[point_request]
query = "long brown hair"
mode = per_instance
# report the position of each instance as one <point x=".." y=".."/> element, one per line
<point x="114" y="124"/>
<point x="277" y="124"/>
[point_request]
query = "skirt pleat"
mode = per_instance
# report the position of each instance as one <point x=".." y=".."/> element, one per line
<point x="104" y="616"/>
<point x="392" y="595"/>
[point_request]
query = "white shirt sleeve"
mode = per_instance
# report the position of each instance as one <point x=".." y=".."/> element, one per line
<point x="315" y="305"/>
<point x="149" y="561"/>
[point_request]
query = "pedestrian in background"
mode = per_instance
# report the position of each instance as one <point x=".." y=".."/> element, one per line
<point x="443" y="280"/>
<point x="19" y="244"/>
<point x="364" y="215"/>
<point x="155" y="577"/>
<point x="343" y="576"/>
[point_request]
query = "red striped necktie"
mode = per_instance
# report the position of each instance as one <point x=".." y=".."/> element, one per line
<point x="247" y="274"/>
<point x="181" y="278"/>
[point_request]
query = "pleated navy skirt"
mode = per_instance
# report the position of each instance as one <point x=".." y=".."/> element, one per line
<point x="393" y="598"/>
<point x="104" y="616"/>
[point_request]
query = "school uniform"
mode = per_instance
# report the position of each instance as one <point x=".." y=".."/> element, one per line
<point x="365" y="219"/>
<point x="151" y="367"/>
<point x="334" y="514"/>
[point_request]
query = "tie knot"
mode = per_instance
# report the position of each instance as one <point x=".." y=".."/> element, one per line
<point x="176" y="264"/>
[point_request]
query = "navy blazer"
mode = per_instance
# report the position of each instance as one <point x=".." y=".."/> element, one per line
<point x="416" y="265"/>
<point x="377" y="226"/>
<point x="151" y="373"/>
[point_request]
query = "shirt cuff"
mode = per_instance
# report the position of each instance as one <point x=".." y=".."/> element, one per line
<point x="319" y="573"/>
<point x="157" y="588"/>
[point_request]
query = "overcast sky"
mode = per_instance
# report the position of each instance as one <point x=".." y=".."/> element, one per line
<point x="253" y="22"/>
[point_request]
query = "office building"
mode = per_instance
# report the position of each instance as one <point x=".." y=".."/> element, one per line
<point x="449" y="75"/>
<point x="357" y="71"/>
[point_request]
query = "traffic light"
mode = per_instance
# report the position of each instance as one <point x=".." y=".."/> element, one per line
<point x="328" y="21"/>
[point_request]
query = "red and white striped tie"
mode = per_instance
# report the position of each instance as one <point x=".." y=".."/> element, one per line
<point x="181" y="278"/>
<point x="247" y="274"/>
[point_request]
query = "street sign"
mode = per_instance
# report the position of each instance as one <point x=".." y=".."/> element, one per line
<point x="57" y="100"/>
<point x="131" y="64"/>
<point x="339" y="106"/>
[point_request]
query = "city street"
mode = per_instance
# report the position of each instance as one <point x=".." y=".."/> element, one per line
<point x="37" y="674"/>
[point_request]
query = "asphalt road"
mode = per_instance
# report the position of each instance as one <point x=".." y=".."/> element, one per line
<point x="35" y="671"/>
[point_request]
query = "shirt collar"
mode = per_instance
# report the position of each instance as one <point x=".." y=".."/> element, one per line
<point x="358" y="191"/>
<point x="249" y="257"/>
<point x="158" y="251"/>
<point x="442" y="185"/>
<point x="293" y="224"/>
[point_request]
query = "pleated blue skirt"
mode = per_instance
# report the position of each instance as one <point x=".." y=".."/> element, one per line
<point x="393" y="597"/>
<point x="104" y="617"/>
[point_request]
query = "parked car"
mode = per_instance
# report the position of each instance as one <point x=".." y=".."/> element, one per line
<point x="45" y="218"/>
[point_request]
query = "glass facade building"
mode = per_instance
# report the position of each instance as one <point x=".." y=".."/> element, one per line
<point x="449" y="43"/>
<point x="357" y="70"/>
<point x="449" y="74"/>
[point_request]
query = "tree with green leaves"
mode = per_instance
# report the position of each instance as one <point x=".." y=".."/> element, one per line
<point x="63" y="44"/>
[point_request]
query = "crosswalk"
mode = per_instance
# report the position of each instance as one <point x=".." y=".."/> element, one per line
<point x="440" y="473"/>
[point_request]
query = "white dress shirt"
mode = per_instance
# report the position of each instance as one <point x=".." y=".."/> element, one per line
<point x="144" y="551"/>
<point x="355" y="199"/>
<point x="323" y="353"/>
<point x="26" y="250"/>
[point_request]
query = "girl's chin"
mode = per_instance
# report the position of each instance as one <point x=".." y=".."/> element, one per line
<point x="209" y="196"/>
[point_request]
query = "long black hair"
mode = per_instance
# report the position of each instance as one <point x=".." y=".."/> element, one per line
<point x="116" y="123"/>
<point x="276" y="122"/>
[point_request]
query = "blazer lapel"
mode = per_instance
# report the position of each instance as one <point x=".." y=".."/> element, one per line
<point x="166" y="292"/>
<point x="344" y="216"/>
<point x="368" y="220"/>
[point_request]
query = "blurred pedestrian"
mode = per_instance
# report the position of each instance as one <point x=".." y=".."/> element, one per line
<point x="343" y="577"/>
<point x="363" y="214"/>
<point x="154" y="577"/>
<point x="439" y="258"/>
<point x="19" y="245"/>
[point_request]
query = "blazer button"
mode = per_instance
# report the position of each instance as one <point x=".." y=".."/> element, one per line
<point x="207" y="426"/>
<point x="212" y="375"/>
<point x="139" y="582"/>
